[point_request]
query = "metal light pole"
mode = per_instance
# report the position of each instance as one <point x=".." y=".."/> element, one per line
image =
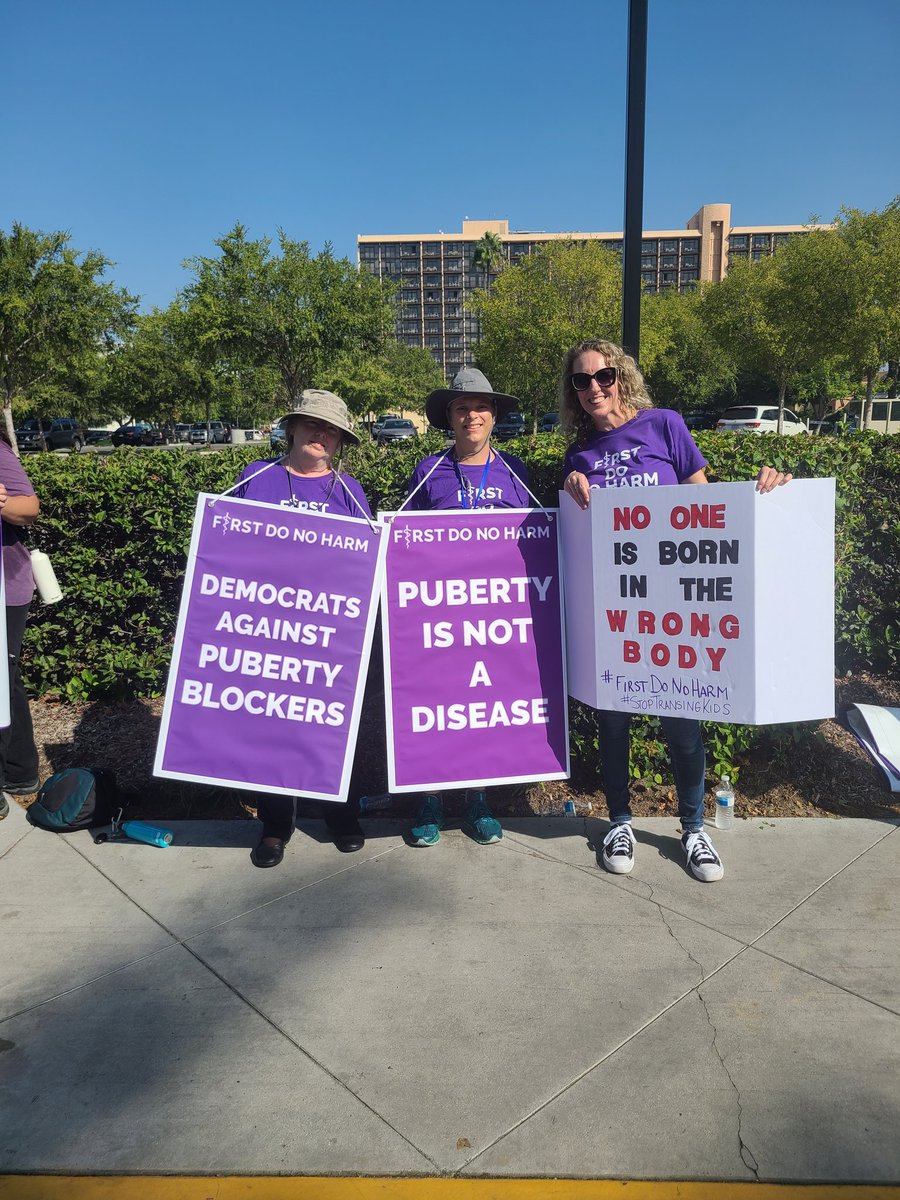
<point x="634" y="176"/>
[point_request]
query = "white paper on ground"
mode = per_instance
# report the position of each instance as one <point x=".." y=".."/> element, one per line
<point x="878" y="730"/>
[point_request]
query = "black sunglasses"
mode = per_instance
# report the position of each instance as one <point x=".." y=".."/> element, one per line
<point x="581" y="381"/>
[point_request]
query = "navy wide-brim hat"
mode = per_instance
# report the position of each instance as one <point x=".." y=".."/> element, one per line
<point x="467" y="382"/>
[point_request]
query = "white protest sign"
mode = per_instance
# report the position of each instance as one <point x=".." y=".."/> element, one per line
<point x="706" y="601"/>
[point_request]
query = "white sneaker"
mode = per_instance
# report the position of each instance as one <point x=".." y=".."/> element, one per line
<point x="705" y="864"/>
<point x="618" y="850"/>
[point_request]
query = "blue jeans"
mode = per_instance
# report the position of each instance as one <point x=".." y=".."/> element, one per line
<point x="686" y="753"/>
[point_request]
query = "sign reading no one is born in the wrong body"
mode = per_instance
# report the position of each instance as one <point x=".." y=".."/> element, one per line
<point x="474" y="662"/>
<point x="273" y="640"/>
<point x="706" y="601"/>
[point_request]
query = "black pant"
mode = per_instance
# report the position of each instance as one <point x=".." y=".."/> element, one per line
<point x="279" y="813"/>
<point x="18" y="753"/>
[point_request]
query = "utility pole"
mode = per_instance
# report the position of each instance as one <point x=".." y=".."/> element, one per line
<point x="634" y="176"/>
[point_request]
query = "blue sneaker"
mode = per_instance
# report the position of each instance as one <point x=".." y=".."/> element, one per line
<point x="430" y="821"/>
<point x="479" y="821"/>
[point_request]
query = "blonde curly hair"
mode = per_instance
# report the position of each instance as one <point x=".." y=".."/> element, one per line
<point x="632" y="388"/>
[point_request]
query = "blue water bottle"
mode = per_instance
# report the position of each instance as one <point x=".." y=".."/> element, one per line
<point x="153" y="835"/>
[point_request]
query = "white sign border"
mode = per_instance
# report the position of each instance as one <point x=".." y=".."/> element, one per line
<point x="377" y="585"/>
<point x="386" y="519"/>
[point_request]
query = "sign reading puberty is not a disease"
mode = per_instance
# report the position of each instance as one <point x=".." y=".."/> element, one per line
<point x="474" y="654"/>
<point x="705" y="601"/>
<point x="273" y="639"/>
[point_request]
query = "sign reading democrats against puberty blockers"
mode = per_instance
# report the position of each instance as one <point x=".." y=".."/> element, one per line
<point x="474" y="652"/>
<point x="705" y="601"/>
<point x="273" y="639"/>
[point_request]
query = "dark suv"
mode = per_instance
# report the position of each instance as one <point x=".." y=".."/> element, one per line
<point x="60" y="433"/>
<point x="510" y="426"/>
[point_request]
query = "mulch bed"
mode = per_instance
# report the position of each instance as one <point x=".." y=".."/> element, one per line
<point x="827" y="775"/>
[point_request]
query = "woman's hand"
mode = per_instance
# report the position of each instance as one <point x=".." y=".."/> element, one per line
<point x="769" y="478"/>
<point x="578" y="488"/>
<point x="4" y="496"/>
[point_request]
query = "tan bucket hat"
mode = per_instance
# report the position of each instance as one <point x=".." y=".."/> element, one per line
<point x="325" y="406"/>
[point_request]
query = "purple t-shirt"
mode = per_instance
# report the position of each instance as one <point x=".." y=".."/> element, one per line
<point x="16" y="558"/>
<point x="316" y="493"/>
<point x="496" y="489"/>
<point x="655" y="447"/>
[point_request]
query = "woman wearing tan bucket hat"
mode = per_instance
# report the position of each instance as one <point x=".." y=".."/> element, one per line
<point x="471" y="474"/>
<point x="306" y="478"/>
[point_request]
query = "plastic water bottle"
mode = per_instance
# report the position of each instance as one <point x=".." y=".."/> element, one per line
<point x="577" y="808"/>
<point x="369" y="804"/>
<point x="153" y="835"/>
<point x="725" y="804"/>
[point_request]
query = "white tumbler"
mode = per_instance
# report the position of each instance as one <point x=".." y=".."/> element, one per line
<point x="45" y="578"/>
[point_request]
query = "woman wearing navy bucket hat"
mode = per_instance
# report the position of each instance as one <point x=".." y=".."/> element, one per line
<point x="470" y="475"/>
<point x="306" y="477"/>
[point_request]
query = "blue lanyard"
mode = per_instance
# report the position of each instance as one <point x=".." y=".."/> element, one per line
<point x="465" y="487"/>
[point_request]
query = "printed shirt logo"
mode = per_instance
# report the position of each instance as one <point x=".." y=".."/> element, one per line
<point x="618" y="470"/>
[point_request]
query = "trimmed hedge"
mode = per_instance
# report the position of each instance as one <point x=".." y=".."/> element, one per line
<point x="118" y="526"/>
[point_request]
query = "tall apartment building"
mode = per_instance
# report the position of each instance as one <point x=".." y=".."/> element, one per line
<point x="435" y="273"/>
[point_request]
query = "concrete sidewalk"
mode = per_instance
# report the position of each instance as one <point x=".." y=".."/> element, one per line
<point x="501" y="1011"/>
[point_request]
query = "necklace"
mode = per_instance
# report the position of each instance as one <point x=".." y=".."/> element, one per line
<point x="326" y="489"/>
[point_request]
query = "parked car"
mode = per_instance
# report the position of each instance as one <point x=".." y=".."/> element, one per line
<point x="759" y="418"/>
<point x="835" y="423"/>
<point x="380" y="420"/>
<point x="182" y="433"/>
<point x="58" y="433"/>
<point x="395" y="429"/>
<point x="218" y="431"/>
<point x="157" y="435"/>
<point x="278" y="438"/>
<point x="701" y="420"/>
<point x="549" y="423"/>
<point x="510" y="426"/>
<point x="128" y="435"/>
<point x="96" y="437"/>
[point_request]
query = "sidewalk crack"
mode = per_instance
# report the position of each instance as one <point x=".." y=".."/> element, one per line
<point x="747" y="1156"/>
<point x="678" y="942"/>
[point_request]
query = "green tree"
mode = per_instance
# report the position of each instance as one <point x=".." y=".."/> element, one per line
<point x="292" y="312"/>
<point x="538" y="309"/>
<point x="57" y="318"/>
<point x="866" y="281"/>
<point x="399" y="378"/>
<point x="158" y="374"/>
<point x="684" y="364"/>
<point x="777" y="316"/>
<point x="154" y="375"/>
<point x="488" y="257"/>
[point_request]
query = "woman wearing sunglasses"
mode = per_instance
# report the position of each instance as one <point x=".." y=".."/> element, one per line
<point x="621" y="440"/>
<point x="470" y="475"/>
<point x="306" y="478"/>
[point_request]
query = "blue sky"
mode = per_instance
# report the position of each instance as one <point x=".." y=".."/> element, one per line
<point x="146" y="131"/>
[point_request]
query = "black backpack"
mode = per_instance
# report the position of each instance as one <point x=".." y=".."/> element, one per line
<point x="77" y="798"/>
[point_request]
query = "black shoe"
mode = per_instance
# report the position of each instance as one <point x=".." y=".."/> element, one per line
<point x="4" y="807"/>
<point x="22" y="789"/>
<point x="347" y="835"/>
<point x="267" y="856"/>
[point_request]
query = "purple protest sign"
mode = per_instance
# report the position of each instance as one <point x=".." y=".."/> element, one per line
<point x="474" y="649"/>
<point x="273" y="640"/>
